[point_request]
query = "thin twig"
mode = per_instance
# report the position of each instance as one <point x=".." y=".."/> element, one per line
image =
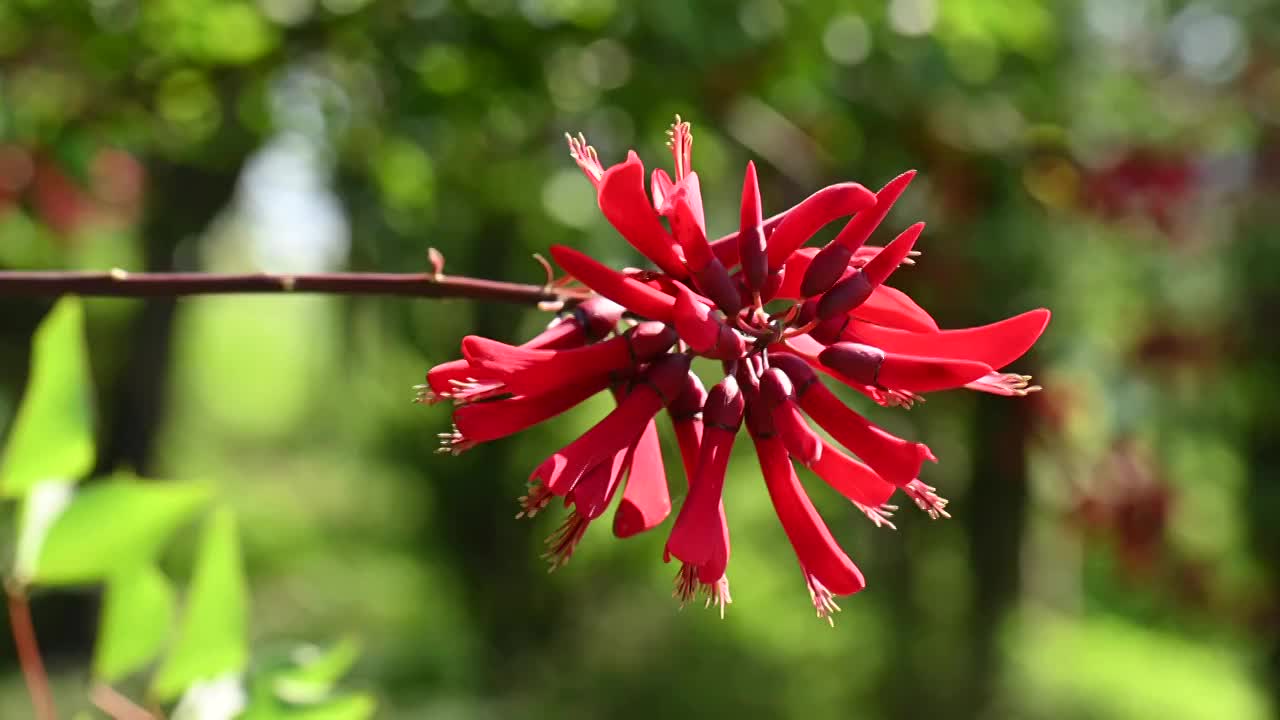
<point x="112" y="702"/>
<point x="118" y="283"/>
<point x="24" y="638"/>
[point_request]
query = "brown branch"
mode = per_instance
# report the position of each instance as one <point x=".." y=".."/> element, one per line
<point x="24" y="638"/>
<point x="119" y="283"/>
<point x="108" y="700"/>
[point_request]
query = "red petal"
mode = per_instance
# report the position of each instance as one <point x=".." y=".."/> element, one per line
<point x="864" y="223"/>
<point x="563" y="469"/>
<point x="535" y="372"/>
<point x="820" y="208"/>
<point x="660" y="186"/>
<point x="751" y="244"/>
<point x="627" y="292"/>
<point x="896" y="460"/>
<point x="893" y="308"/>
<point x="698" y="326"/>
<point x="700" y="535"/>
<point x="624" y="203"/>
<point x="490" y="420"/>
<point x="997" y="344"/>
<point x="816" y="549"/>
<point x="645" y="501"/>
<point x="850" y="478"/>
<point x="592" y="494"/>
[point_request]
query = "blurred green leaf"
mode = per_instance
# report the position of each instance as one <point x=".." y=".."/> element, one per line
<point x="316" y="673"/>
<point x="52" y="437"/>
<point x="113" y="526"/>
<point x="212" y="638"/>
<point x="42" y="506"/>
<point x="137" y="615"/>
<point x="358" y="706"/>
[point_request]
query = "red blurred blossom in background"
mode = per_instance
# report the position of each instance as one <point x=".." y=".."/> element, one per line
<point x="831" y="319"/>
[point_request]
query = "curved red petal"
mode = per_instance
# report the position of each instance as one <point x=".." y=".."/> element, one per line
<point x="624" y="203"/>
<point x="893" y="308"/>
<point x="815" y="548"/>
<point x="646" y="501"/>
<point x="628" y="292"/>
<point x="808" y="217"/>
<point x="859" y="229"/>
<point x="997" y="344"/>
<point x="850" y="478"/>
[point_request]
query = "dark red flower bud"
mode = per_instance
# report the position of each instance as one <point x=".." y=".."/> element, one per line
<point x="801" y="441"/>
<point x="752" y="250"/>
<point x="860" y="363"/>
<point x="775" y="387"/>
<point x="831" y="330"/>
<point x="799" y="372"/>
<point x="826" y="269"/>
<point x="598" y="317"/>
<point x="714" y="282"/>
<point x="864" y="223"/>
<point x="724" y="406"/>
<point x="689" y="402"/>
<point x="847" y="294"/>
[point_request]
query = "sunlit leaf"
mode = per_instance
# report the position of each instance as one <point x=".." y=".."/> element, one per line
<point x="52" y="436"/>
<point x="211" y="639"/>
<point x="42" y="506"/>
<point x="316" y="673"/>
<point x="112" y="526"/>
<point x="137" y="615"/>
<point x="358" y="706"/>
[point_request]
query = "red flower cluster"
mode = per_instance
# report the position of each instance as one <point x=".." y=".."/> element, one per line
<point x="707" y="299"/>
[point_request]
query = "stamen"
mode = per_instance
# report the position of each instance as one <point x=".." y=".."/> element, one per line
<point x="423" y="394"/>
<point x="824" y="601"/>
<point x="879" y="516"/>
<point x="1009" y="384"/>
<point x="586" y="158"/>
<point x="564" y="540"/>
<point x="454" y="443"/>
<point x="680" y="140"/>
<point x="468" y="390"/>
<point x="926" y="499"/>
<point x="688" y="587"/>
<point x="531" y="503"/>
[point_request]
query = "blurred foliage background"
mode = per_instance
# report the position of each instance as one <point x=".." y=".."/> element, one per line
<point x="1113" y="551"/>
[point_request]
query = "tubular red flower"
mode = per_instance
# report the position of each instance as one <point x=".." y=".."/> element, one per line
<point x="627" y="292"/>
<point x="457" y="380"/>
<point x="751" y="243"/>
<point x="801" y="441"/>
<point x="870" y="365"/>
<point x="686" y="420"/>
<point x="895" y="460"/>
<point x="818" y="552"/>
<point x="859" y="229"/>
<point x="700" y="536"/>
<point x="893" y="308"/>
<point x="807" y="218"/>
<point x="855" y="289"/>
<point x="997" y="344"/>
<point x="564" y="468"/>
<point x="852" y="479"/>
<point x="537" y="372"/>
<point x="646" y="502"/>
<point x="490" y="420"/>
<point x="625" y="205"/>
<point x="706" y="334"/>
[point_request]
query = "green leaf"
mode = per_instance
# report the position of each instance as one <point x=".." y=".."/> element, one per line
<point x="137" y="615"/>
<point x="316" y="672"/>
<point x="112" y="526"/>
<point x="358" y="706"/>
<point x="52" y="437"/>
<point x="212" y="639"/>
